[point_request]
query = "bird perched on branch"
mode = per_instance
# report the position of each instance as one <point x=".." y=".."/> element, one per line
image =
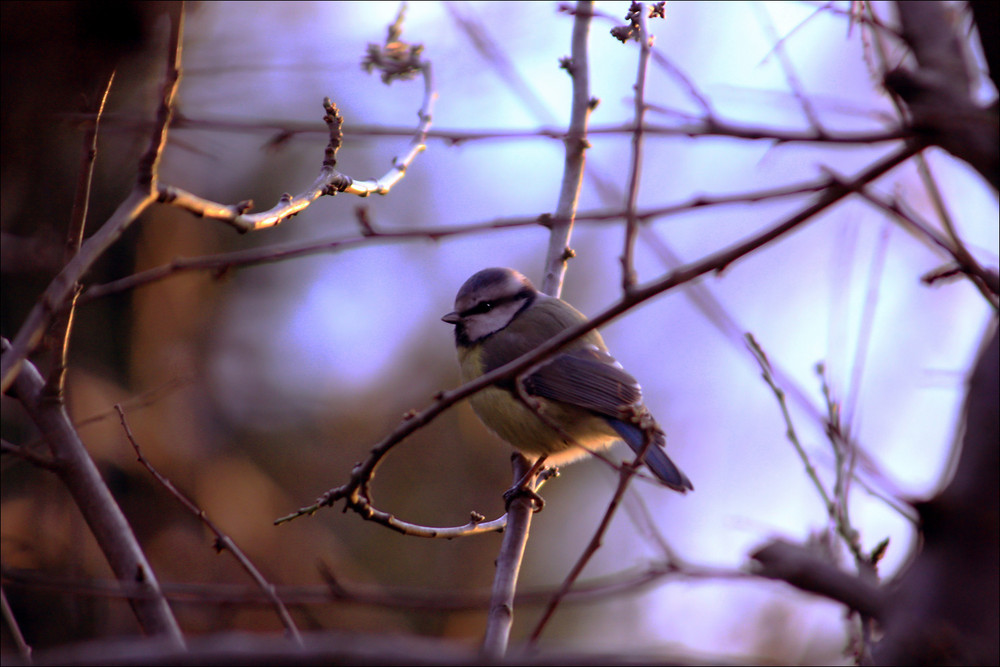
<point x="578" y="400"/>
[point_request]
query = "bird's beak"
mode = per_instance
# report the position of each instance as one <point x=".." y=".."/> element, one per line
<point x="452" y="318"/>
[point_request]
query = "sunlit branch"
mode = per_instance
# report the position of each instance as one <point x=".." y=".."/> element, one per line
<point x="74" y="239"/>
<point x="576" y="144"/>
<point x="223" y="262"/>
<point x="395" y="60"/>
<point x="62" y="287"/>
<point x="329" y="181"/>
<point x="496" y="638"/>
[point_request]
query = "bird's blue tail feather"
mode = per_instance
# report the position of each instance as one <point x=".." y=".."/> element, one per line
<point x="656" y="457"/>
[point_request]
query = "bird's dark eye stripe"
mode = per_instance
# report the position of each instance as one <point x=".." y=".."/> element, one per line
<point x="481" y="307"/>
<point x="487" y="306"/>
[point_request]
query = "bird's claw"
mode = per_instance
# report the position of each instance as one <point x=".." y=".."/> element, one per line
<point x="522" y="490"/>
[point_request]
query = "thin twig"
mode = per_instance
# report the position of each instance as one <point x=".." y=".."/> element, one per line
<point x="780" y="562"/>
<point x="26" y="453"/>
<point x="866" y="327"/>
<point x="625" y="477"/>
<point x="706" y="126"/>
<point x="494" y="53"/>
<point x="844" y="457"/>
<point x="140" y="400"/>
<point x="635" y="164"/>
<point x="223" y="262"/>
<point x="396" y="60"/>
<point x="335" y="592"/>
<point x="74" y="239"/>
<point x="222" y="541"/>
<point x="143" y="194"/>
<point x="987" y="282"/>
<point x="778" y="48"/>
<point x="835" y="503"/>
<point x="790" y="433"/>
<point x="685" y="81"/>
<point x="104" y="517"/>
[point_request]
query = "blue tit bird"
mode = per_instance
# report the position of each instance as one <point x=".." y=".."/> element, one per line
<point x="586" y="399"/>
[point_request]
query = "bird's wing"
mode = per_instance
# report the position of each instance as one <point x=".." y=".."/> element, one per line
<point x="591" y="379"/>
<point x="588" y="378"/>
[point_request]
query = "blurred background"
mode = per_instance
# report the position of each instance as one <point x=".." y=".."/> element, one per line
<point x="257" y="390"/>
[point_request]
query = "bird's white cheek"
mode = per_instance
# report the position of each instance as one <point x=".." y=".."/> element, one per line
<point x="475" y="329"/>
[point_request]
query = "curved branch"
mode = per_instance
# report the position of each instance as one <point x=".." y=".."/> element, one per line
<point x="396" y="60"/>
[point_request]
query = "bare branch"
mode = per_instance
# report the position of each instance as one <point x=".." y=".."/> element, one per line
<point x="937" y="93"/>
<point x="508" y="566"/>
<point x="221" y="263"/>
<point x="625" y="477"/>
<point x="778" y="49"/>
<point x="74" y="239"/>
<point x="803" y="568"/>
<point x="709" y="125"/>
<point x="943" y="607"/>
<point x="635" y="165"/>
<point x="715" y="262"/>
<point x="987" y="282"/>
<point x="222" y="541"/>
<point x="61" y="289"/>
<point x="336" y="592"/>
<point x="790" y="433"/>
<point x="396" y="60"/>
<point x="148" y="172"/>
<point x="26" y="453"/>
<point x="107" y="523"/>
<point x="578" y="67"/>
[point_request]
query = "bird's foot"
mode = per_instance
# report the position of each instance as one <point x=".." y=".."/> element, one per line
<point x="522" y="490"/>
<point x="525" y="487"/>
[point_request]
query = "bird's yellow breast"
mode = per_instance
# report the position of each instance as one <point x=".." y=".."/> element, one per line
<point x="520" y="424"/>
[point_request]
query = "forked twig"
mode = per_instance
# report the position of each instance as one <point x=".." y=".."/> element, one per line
<point x="222" y="541"/>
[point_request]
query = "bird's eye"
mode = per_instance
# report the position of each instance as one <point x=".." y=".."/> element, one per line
<point x="480" y="308"/>
<point x="483" y="307"/>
